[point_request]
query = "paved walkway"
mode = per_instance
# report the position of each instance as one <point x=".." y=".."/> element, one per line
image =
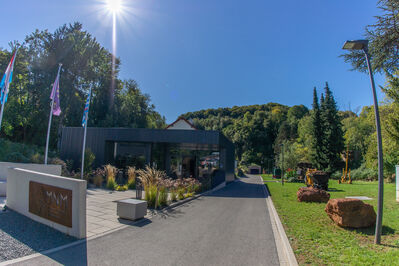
<point x="101" y="210"/>
<point x="228" y="227"/>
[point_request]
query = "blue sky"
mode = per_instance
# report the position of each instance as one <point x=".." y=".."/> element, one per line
<point x="198" y="54"/>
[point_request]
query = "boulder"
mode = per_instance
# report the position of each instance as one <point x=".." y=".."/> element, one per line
<point x="352" y="213"/>
<point x="310" y="194"/>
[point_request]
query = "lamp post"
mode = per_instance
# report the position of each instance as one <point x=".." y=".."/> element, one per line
<point x="363" y="45"/>
<point x="282" y="164"/>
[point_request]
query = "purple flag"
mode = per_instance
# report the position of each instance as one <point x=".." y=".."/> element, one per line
<point x="55" y="95"/>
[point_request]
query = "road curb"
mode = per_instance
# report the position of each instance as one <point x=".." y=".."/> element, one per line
<point x="285" y="253"/>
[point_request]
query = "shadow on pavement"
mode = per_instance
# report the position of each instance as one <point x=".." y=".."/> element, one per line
<point x="71" y="256"/>
<point x="174" y="212"/>
<point x="240" y="189"/>
<point x="139" y="223"/>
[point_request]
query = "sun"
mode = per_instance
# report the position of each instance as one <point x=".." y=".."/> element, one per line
<point x="114" y="6"/>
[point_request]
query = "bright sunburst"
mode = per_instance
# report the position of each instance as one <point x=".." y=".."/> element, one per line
<point x="114" y="6"/>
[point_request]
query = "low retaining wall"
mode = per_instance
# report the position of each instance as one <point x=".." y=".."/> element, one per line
<point x="56" y="201"/>
<point x="52" y="169"/>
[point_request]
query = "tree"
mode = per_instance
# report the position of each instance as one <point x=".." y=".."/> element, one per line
<point x="86" y="64"/>
<point x="333" y="141"/>
<point x="318" y="156"/>
<point x="384" y="41"/>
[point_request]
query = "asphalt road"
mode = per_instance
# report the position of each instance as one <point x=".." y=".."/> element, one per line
<point x="228" y="227"/>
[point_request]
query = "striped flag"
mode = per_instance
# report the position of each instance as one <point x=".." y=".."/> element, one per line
<point x="86" y="111"/>
<point x="55" y="94"/>
<point x="6" y="80"/>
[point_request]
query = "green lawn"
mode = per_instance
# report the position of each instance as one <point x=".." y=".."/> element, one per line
<point x="317" y="240"/>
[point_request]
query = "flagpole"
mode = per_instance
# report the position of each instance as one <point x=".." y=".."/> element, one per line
<point x="83" y="150"/>
<point x="50" y="119"/>
<point x="2" y="110"/>
<point x="84" y="139"/>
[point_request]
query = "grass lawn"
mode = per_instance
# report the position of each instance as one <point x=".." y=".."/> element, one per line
<point x="317" y="240"/>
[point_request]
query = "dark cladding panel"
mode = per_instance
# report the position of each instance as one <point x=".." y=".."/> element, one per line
<point x="72" y="138"/>
<point x="71" y="144"/>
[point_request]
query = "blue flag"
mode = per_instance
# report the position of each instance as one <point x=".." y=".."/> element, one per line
<point x="6" y="80"/>
<point x="86" y="111"/>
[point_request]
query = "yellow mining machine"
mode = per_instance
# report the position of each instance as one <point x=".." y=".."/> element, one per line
<point x="346" y="173"/>
<point x="308" y="179"/>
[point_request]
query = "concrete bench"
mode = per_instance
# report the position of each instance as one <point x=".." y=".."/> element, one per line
<point x="3" y="188"/>
<point x="131" y="209"/>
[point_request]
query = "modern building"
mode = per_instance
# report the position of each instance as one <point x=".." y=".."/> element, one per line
<point x="180" y="152"/>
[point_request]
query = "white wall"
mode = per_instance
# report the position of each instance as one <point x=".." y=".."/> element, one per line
<point x="181" y="124"/>
<point x="18" y="198"/>
<point x="49" y="169"/>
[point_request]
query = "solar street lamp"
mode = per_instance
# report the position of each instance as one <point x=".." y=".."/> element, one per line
<point x="363" y="46"/>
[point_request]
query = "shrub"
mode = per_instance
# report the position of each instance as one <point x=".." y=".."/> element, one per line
<point x="16" y="157"/>
<point x="173" y="195"/>
<point x="69" y="165"/>
<point x="290" y="173"/>
<point x="364" y="173"/>
<point x="189" y="194"/>
<point x="89" y="160"/>
<point x="131" y="180"/>
<point x="98" y="176"/>
<point x="180" y="193"/>
<point x="121" y="188"/>
<point x="98" y="180"/>
<point x="58" y="161"/>
<point x="37" y="158"/>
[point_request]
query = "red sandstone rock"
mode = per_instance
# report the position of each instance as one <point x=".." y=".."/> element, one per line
<point x="352" y="213"/>
<point x="309" y="194"/>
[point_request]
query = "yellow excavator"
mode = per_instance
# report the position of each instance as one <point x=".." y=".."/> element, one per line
<point x="346" y="173"/>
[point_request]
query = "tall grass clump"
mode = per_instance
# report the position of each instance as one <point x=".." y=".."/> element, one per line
<point x="151" y="179"/>
<point x="150" y="195"/>
<point x="131" y="180"/>
<point x="162" y="196"/>
<point x="110" y="174"/>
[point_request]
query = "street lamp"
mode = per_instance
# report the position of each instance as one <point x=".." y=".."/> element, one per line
<point x="363" y="45"/>
<point x="282" y="164"/>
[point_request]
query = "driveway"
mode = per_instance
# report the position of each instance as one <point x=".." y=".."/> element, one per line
<point x="228" y="227"/>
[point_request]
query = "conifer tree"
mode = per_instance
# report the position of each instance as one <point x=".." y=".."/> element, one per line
<point x="333" y="141"/>
<point x="318" y="157"/>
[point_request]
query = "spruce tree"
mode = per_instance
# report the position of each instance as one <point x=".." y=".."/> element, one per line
<point x="318" y="157"/>
<point x="333" y="140"/>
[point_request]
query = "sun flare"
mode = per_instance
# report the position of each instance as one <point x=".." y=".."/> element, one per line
<point x="114" y="6"/>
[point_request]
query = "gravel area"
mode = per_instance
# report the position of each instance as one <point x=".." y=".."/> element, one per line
<point x="21" y="236"/>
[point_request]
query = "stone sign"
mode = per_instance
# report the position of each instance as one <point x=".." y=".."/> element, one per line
<point x="51" y="203"/>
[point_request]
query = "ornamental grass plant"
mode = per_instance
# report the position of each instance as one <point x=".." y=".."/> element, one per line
<point x="131" y="180"/>
<point x="162" y="196"/>
<point x="150" y="195"/>
<point x="110" y="175"/>
<point x="157" y="187"/>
